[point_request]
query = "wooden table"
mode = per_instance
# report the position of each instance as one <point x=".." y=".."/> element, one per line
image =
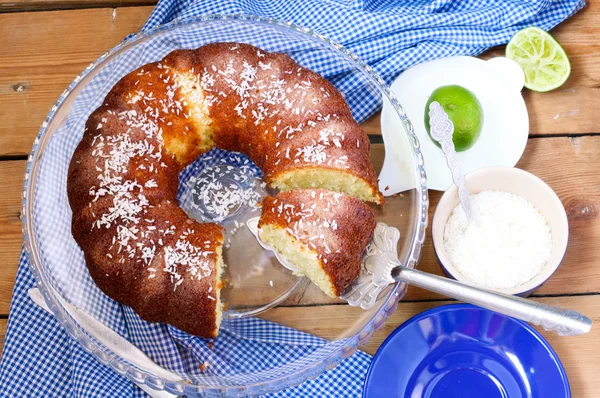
<point x="44" y="50"/>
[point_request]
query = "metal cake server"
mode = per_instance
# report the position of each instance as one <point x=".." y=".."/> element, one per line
<point x="381" y="267"/>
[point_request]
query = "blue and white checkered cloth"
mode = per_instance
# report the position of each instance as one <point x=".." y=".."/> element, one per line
<point x="39" y="359"/>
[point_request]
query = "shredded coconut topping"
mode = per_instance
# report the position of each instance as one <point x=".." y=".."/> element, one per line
<point x="315" y="227"/>
<point x="275" y="98"/>
<point x="187" y="258"/>
<point x="505" y="245"/>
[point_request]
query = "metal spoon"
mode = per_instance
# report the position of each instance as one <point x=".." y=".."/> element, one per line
<point x="441" y="130"/>
<point x="384" y="267"/>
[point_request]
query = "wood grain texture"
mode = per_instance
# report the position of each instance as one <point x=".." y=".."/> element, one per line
<point x="44" y="51"/>
<point x="569" y="165"/>
<point x="3" y="324"/>
<point x="578" y="354"/>
<point x="38" y="5"/>
<point x="11" y="239"/>
<point x="574" y="108"/>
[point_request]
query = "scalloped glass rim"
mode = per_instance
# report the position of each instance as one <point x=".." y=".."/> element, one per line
<point x="141" y="376"/>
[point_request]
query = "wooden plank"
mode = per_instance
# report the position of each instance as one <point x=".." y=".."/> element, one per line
<point x="11" y="239"/>
<point x="568" y="165"/>
<point x="39" y="5"/>
<point x="44" y="51"/>
<point x="577" y="354"/>
<point x="3" y="324"/>
<point x="574" y="107"/>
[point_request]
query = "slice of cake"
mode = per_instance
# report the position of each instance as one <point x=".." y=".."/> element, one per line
<point x="322" y="233"/>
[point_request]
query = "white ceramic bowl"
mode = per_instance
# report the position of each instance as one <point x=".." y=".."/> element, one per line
<point x="520" y="183"/>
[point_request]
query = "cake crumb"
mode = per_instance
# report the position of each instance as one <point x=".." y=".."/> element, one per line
<point x="204" y="366"/>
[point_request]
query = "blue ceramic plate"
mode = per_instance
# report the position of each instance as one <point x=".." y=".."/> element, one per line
<point x="462" y="351"/>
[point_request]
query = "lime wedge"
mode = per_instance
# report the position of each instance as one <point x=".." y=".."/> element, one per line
<point x="543" y="60"/>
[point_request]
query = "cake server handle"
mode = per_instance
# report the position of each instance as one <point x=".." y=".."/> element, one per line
<point x="563" y="322"/>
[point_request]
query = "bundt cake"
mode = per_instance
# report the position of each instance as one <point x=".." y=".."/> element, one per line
<point x="322" y="233"/>
<point x="141" y="248"/>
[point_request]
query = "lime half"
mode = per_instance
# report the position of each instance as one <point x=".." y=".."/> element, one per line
<point x="463" y="109"/>
<point x="543" y="60"/>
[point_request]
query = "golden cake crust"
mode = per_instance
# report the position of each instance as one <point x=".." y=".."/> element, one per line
<point x="279" y="105"/>
<point x="141" y="249"/>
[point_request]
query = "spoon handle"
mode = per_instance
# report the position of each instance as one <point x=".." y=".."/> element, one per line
<point x="441" y="129"/>
<point x="563" y="322"/>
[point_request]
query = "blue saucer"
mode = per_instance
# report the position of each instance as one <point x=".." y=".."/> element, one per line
<point x="463" y="351"/>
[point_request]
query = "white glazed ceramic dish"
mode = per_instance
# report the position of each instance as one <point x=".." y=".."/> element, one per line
<point x="497" y="83"/>
<point x="518" y="182"/>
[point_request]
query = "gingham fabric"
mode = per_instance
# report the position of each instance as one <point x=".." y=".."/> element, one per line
<point x="390" y="35"/>
<point x="40" y="360"/>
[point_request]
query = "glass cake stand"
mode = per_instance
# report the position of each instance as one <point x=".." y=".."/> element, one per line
<point x="256" y="279"/>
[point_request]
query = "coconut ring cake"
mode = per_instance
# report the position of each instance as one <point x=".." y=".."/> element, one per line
<point x="142" y="249"/>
